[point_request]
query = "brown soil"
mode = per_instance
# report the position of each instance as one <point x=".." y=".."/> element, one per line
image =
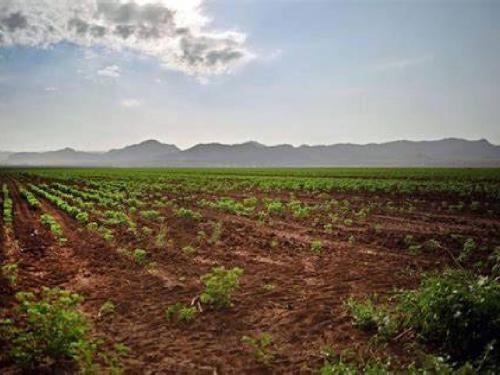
<point x="303" y="312"/>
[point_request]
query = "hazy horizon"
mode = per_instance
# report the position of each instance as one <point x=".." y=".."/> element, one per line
<point x="106" y="74"/>
<point x="242" y="142"/>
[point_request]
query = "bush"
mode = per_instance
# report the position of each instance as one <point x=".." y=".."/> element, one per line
<point x="47" y="329"/>
<point x="370" y="317"/>
<point x="458" y="311"/>
<point x="219" y="284"/>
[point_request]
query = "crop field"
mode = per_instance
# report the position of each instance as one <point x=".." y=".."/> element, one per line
<point x="231" y="271"/>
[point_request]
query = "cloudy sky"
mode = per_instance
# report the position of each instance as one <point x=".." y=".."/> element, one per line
<point x="97" y="74"/>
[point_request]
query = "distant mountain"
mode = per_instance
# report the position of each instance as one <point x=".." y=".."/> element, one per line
<point x="4" y="155"/>
<point x="446" y="152"/>
<point x="144" y="151"/>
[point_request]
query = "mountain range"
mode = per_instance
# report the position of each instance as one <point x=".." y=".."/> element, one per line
<point x="450" y="152"/>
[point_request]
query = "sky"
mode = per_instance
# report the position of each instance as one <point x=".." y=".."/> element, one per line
<point x="101" y="74"/>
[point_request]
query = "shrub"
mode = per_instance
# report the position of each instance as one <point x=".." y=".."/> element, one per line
<point x="261" y="348"/>
<point x="370" y="317"/>
<point x="456" y="310"/>
<point x="219" y="284"/>
<point x="48" y="329"/>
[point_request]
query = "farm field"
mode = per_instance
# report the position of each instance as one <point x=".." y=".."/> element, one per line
<point x="318" y="271"/>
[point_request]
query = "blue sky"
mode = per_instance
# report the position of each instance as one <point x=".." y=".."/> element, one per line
<point x="315" y="72"/>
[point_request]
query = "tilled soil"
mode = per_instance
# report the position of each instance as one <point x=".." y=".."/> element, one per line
<point x="286" y="290"/>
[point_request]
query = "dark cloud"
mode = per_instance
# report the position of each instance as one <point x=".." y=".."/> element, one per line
<point x="14" y="21"/>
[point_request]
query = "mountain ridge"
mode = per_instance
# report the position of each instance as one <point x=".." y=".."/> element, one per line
<point x="153" y="153"/>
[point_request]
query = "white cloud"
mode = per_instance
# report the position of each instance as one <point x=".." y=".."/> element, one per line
<point x="112" y="71"/>
<point x="401" y="63"/>
<point x="130" y="103"/>
<point x="51" y="89"/>
<point x="174" y="31"/>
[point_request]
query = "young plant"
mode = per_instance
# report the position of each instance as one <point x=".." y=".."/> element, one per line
<point x="53" y="226"/>
<point x="140" y="256"/>
<point x="219" y="285"/>
<point x="468" y="248"/>
<point x="261" y="348"/>
<point x="48" y="329"/>
<point x="181" y="313"/>
<point x="107" y="308"/>
<point x="9" y="273"/>
<point x="189" y="250"/>
<point x="316" y="246"/>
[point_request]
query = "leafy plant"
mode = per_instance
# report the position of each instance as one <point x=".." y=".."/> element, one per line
<point x="9" y="273"/>
<point x="467" y="250"/>
<point x="181" y="313"/>
<point x="219" y="285"/>
<point x="140" y="256"/>
<point x="31" y="199"/>
<point x="107" y="308"/>
<point x="189" y="250"/>
<point x="187" y="214"/>
<point x="370" y="317"/>
<point x="456" y="307"/>
<point x="261" y="348"/>
<point x="316" y="246"/>
<point x="47" y="329"/>
<point x="53" y="226"/>
<point x="7" y="206"/>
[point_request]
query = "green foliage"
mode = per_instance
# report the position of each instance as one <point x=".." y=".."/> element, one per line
<point x="189" y="250"/>
<point x="187" y="214"/>
<point x="9" y="272"/>
<point x="275" y="208"/>
<point x="181" y="313"/>
<point x="8" y="216"/>
<point x="47" y="329"/>
<point x="107" y="308"/>
<point x="216" y="233"/>
<point x="219" y="285"/>
<point x="261" y="348"/>
<point x="316" y="246"/>
<point x="150" y="214"/>
<point x="161" y="237"/>
<point x="113" y="360"/>
<point x="468" y="249"/>
<point x="140" y="256"/>
<point x="371" y="317"/>
<point x="53" y="226"/>
<point x="495" y="261"/>
<point x="31" y="199"/>
<point x="456" y="307"/>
